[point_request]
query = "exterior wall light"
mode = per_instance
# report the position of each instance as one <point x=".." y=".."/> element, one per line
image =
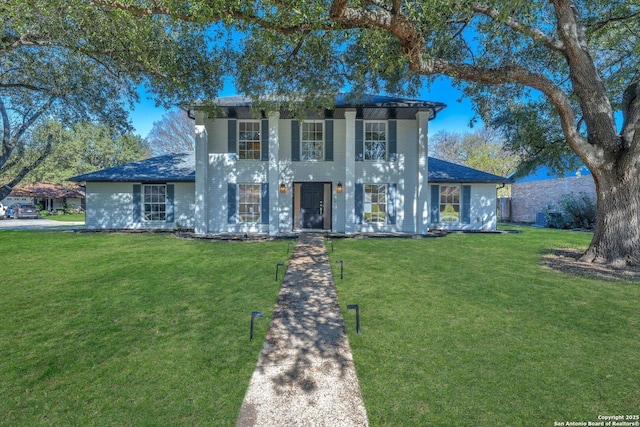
<point x="283" y="188"/>
<point x="339" y="188"/>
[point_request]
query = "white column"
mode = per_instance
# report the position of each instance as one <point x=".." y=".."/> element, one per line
<point x="273" y="174"/>
<point x="350" y="171"/>
<point x="423" y="194"/>
<point x="202" y="175"/>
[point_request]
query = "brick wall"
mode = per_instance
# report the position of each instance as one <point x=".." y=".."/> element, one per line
<point x="528" y="198"/>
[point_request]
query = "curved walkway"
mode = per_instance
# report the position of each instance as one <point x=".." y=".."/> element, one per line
<point x="305" y="374"/>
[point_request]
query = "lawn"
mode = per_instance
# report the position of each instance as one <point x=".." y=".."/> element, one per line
<point x="78" y="217"/>
<point x="129" y="329"/>
<point x="471" y="330"/>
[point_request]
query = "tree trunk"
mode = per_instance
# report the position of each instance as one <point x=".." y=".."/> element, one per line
<point x="617" y="236"/>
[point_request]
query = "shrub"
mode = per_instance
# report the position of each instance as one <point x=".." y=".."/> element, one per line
<point x="574" y="211"/>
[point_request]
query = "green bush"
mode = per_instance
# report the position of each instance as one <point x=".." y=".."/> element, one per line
<point x="572" y="211"/>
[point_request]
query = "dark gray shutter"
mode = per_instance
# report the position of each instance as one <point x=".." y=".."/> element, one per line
<point x="359" y="140"/>
<point x="264" y="200"/>
<point x="231" y="202"/>
<point x="466" y="204"/>
<point x="435" y="204"/>
<point x="392" y="191"/>
<point x="359" y="202"/>
<point x="232" y="138"/>
<point x="137" y="203"/>
<point x="328" y="140"/>
<point x="264" y="143"/>
<point x="295" y="140"/>
<point x="392" y="140"/>
<point x="169" y="202"/>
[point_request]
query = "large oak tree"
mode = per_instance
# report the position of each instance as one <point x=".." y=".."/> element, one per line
<point x="564" y="68"/>
<point x="76" y="61"/>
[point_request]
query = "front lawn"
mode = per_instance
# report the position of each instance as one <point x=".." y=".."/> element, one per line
<point x="471" y="330"/>
<point x="129" y="329"/>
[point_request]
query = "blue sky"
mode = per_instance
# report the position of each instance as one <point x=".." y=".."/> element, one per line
<point x="454" y="118"/>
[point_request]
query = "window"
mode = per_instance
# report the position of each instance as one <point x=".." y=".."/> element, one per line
<point x="249" y="140"/>
<point x="449" y="203"/>
<point x="375" y="140"/>
<point x="375" y="203"/>
<point x="312" y="141"/>
<point x="249" y="202"/>
<point x="155" y="202"/>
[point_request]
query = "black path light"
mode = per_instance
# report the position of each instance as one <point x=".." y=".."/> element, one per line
<point x="254" y="314"/>
<point x="341" y="268"/>
<point x="331" y="242"/>
<point x="289" y="246"/>
<point x="357" y="309"/>
<point x="278" y="265"/>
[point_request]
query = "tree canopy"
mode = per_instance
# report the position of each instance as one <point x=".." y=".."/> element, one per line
<point x="77" y="61"/>
<point x="173" y="133"/>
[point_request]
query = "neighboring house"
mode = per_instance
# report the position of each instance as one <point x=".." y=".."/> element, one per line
<point x="360" y="167"/>
<point x="51" y="197"/>
<point x="541" y="188"/>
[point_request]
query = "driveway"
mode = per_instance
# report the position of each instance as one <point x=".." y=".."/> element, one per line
<point x="38" y="224"/>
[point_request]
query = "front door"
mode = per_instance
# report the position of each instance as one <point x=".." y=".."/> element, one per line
<point x="312" y="205"/>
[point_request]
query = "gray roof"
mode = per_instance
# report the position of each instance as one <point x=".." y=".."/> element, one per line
<point x="442" y="172"/>
<point x="181" y="168"/>
<point x="167" y="168"/>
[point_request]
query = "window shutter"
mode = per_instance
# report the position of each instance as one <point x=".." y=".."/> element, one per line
<point x="232" y="137"/>
<point x="264" y="200"/>
<point x="359" y="203"/>
<point x="295" y="141"/>
<point x="392" y="190"/>
<point x="137" y="203"/>
<point x="264" y="143"/>
<point x="435" y="204"/>
<point x="392" y="140"/>
<point x="169" y="203"/>
<point x="466" y="204"/>
<point x="231" y="202"/>
<point x="359" y="140"/>
<point x="328" y="140"/>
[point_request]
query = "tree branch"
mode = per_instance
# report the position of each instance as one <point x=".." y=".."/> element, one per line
<point x="528" y="30"/>
<point x="25" y="170"/>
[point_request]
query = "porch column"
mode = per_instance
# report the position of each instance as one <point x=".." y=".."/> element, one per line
<point x="350" y="172"/>
<point x="422" y="196"/>
<point x="273" y="174"/>
<point x="200" y="214"/>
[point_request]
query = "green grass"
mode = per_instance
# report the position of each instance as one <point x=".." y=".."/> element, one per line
<point x="123" y="329"/>
<point x="471" y="330"/>
<point x="66" y="217"/>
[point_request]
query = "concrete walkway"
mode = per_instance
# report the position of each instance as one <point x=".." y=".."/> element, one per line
<point x="305" y="374"/>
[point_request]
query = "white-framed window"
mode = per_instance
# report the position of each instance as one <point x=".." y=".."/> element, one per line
<point x="375" y="141"/>
<point x="249" y="140"/>
<point x="375" y="203"/>
<point x="312" y="141"/>
<point x="449" y="203"/>
<point x="249" y="202"/>
<point x="155" y="202"/>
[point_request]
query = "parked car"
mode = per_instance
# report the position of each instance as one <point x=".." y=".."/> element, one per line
<point x="3" y="211"/>
<point x="23" y="210"/>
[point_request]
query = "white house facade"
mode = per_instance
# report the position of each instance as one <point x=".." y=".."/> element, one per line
<point x="359" y="167"/>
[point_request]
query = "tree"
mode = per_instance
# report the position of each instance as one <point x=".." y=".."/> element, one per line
<point x="483" y="149"/>
<point x="86" y="147"/>
<point x="173" y="133"/>
<point x="575" y="60"/>
<point x="77" y="61"/>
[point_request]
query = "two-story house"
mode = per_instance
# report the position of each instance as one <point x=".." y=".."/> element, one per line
<point x="359" y="167"/>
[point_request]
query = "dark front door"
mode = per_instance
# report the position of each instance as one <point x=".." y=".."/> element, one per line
<point x="312" y="205"/>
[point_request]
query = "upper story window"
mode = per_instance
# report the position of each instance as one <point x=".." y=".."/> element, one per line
<point x="312" y="141"/>
<point x="375" y="203"/>
<point x="375" y="140"/>
<point x="249" y="202"/>
<point x="249" y="140"/>
<point x="155" y="202"/>
<point x="449" y="203"/>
